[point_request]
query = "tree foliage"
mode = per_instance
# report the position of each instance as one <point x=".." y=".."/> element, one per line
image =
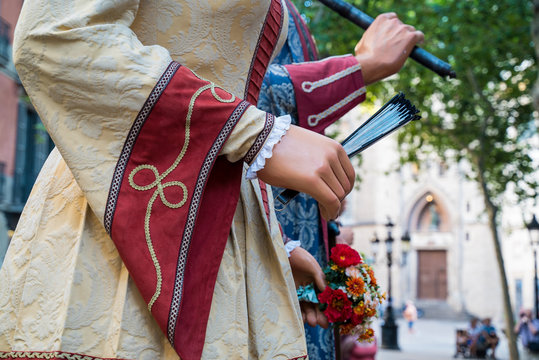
<point x="484" y="116"/>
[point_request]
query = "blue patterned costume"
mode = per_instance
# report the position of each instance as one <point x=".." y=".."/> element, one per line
<point x="315" y="93"/>
<point x="300" y="219"/>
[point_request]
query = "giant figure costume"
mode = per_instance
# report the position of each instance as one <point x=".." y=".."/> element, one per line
<point x="149" y="105"/>
<point x="315" y="93"/>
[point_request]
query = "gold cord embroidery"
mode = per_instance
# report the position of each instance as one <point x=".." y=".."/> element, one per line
<point x="313" y="120"/>
<point x="309" y="86"/>
<point x="160" y="186"/>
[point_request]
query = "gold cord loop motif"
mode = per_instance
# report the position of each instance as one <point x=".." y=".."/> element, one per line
<point x="159" y="185"/>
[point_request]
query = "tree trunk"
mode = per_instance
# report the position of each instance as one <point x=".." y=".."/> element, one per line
<point x="492" y="212"/>
<point x="535" y="38"/>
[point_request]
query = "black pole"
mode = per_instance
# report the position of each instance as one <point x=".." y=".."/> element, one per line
<point x="535" y="286"/>
<point x="363" y="20"/>
<point x="390" y="327"/>
<point x="332" y="241"/>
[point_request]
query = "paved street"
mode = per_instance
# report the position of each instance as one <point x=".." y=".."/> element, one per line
<point x="434" y="340"/>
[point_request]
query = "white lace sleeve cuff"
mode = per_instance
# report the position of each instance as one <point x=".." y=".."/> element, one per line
<point x="282" y="124"/>
<point x="291" y="245"/>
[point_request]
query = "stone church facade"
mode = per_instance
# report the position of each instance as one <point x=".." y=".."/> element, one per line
<point x="448" y="268"/>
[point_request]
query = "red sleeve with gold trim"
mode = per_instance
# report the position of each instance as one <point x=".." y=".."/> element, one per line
<point x="169" y="178"/>
<point x="326" y="90"/>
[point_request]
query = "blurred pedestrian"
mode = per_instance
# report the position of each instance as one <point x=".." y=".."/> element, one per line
<point x="488" y="339"/>
<point x="410" y="315"/>
<point x="528" y="329"/>
<point x="474" y="330"/>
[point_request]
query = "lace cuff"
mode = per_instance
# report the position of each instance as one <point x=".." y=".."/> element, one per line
<point x="291" y="245"/>
<point x="282" y="124"/>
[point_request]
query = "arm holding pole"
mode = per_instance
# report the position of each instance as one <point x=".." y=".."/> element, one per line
<point x="364" y="21"/>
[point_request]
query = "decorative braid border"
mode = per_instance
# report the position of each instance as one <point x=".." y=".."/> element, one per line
<point x="49" y="355"/>
<point x="130" y="142"/>
<point x="192" y="215"/>
<point x="260" y="140"/>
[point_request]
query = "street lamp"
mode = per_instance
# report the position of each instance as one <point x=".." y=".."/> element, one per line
<point x="389" y="328"/>
<point x="375" y="246"/>
<point x="405" y="244"/>
<point x="533" y="228"/>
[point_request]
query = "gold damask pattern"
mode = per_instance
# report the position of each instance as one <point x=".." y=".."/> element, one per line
<point x="89" y="66"/>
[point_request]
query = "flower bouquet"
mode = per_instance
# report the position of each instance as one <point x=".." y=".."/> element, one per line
<point x="352" y="296"/>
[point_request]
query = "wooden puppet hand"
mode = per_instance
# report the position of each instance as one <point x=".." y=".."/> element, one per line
<point x="306" y="270"/>
<point x="385" y="46"/>
<point x="311" y="163"/>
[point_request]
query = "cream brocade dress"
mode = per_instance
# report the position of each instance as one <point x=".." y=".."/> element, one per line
<point x="63" y="286"/>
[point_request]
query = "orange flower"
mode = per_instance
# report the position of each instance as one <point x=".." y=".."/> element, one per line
<point x="346" y="328"/>
<point x="359" y="309"/>
<point x="371" y="275"/>
<point x="368" y="335"/>
<point x="370" y="312"/>
<point x="355" y="286"/>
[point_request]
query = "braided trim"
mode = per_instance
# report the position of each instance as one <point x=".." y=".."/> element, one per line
<point x="309" y="86"/>
<point x="192" y="215"/>
<point x="53" y="355"/>
<point x="313" y="120"/>
<point x="261" y="139"/>
<point x="130" y="142"/>
<point x="160" y="186"/>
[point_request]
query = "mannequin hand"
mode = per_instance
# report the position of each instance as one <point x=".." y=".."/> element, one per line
<point x="385" y="46"/>
<point x="312" y="315"/>
<point x="311" y="163"/>
<point x="306" y="270"/>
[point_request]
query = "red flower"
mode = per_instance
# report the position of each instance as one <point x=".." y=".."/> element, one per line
<point x="344" y="256"/>
<point x="356" y="319"/>
<point x="339" y="306"/>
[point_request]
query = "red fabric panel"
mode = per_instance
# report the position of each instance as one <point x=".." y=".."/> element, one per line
<point x="159" y="144"/>
<point x="322" y="98"/>
<point x="215" y="216"/>
<point x="266" y="44"/>
<point x="264" y="193"/>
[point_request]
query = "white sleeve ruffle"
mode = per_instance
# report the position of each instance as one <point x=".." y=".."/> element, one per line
<point x="291" y="245"/>
<point x="282" y="124"/>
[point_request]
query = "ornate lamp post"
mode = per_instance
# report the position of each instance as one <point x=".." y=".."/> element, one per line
<point x="533" y="228"/>
<point x="389" y="328"/>
<point x="405" y="244"/>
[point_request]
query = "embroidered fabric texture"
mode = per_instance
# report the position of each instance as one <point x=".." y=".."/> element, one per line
<point x="291" y="245"/>
<point x="282" y="124"/>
